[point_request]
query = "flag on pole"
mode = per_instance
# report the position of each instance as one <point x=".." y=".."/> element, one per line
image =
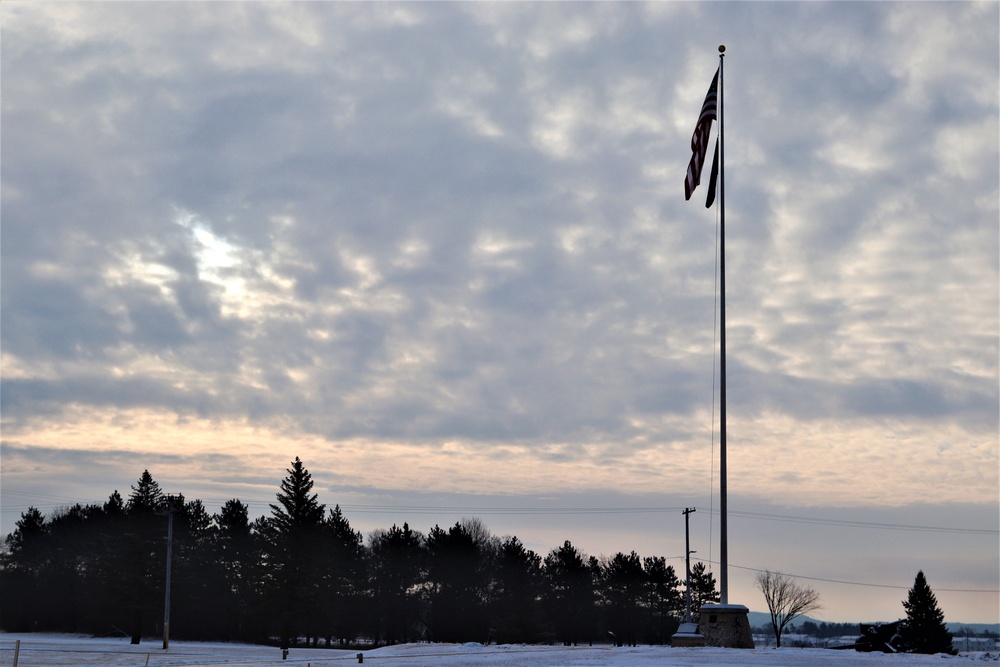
<point x="699" y="140"/>
<point x="714" y="177"/>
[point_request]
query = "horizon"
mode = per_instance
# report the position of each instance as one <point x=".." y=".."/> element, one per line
<point x="441" y="252"/>
<point x="545" y="530"/>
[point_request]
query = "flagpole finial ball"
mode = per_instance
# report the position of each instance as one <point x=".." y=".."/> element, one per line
<point x="722" y="48"/>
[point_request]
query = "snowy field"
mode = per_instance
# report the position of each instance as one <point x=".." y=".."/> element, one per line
<point x="43" y="650"/>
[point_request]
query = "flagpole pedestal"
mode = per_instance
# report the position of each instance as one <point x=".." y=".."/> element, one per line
<point x="725" y="625"/>
<point x="687" y="635"/>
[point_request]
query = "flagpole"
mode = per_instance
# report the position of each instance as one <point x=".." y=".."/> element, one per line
<point x="732" y="626"/>
<point x="723" y="485"/>
<point x="719" y="624"/>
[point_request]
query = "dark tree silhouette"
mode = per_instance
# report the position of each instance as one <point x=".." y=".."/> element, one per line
<point x="624" y="586"/>
<point x="517" y="589"/>
<point x="458" y="581"/>
<point x="664" y="603"/>
<point x="303" y="572"/>
<point x="198" y="588"/>
<point x="398" y="570"/>
<point x="143" y="555"/>
<point x="925" y="630"/>
<point x="233" y="549"/>
<point x="343" y="579"/>
<point x="292" y="541"/>
<point x="570" y="600"/>
<point x="702" y="587"/>
<point x="73" y="550"/>
<point x="23" y="560"/>
<point x="111" y="561"/>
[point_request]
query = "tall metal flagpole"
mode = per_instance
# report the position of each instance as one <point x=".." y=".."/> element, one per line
<point x="722" y="623"/>
<point x="723" y="501"/>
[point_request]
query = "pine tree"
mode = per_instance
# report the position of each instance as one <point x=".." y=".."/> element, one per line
<point x="298" y="507"/>
<point x="664" y="603"/>
<point x="342" y="577"/>
<point x="924" y="630"/>
<point x="398" y="568"/>
<point x="30" y="531"/>
<point x="143" y="555"/>
<point x="293" y="543"/>
<point x="624" y="583"/>
<point x="703" y="588"/>
<point x="517" y="587"/>
<point x="115" y="507"/>
<point x="458" y="584"/>
<point x="570" y="602"/>
<point x="234" y="551"/>
<point x="22" y="565"/>
<point x="146" y="496"/>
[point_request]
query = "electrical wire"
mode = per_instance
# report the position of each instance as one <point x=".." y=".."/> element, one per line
<point x="554" y="511"/>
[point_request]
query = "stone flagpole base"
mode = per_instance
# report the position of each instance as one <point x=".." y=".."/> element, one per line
<point x="725" y="625"/>
<point x="687" y="635"/>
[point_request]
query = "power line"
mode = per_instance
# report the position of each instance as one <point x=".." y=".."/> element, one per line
<point x="866" y="584"/>
<point x="560" y="511"/>
<point x="62" y="502"/>
<point x="863" y="524"/>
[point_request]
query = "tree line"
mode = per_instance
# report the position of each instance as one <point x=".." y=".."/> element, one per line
<point x="302" y="574"/>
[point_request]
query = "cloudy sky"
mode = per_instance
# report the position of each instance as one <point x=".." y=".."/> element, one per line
<point x="441" y="252"/>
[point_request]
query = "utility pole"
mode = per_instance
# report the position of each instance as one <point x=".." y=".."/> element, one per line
<point x="687" y="560"/>
<point x="173" y="502"/>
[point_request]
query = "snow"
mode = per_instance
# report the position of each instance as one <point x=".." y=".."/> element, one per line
<point x="46" y="650"/>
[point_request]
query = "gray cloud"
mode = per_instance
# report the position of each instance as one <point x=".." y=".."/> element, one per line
<point x="481" y="156"/>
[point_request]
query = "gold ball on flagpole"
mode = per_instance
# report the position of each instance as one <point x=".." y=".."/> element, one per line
<point x="722" y="48"/>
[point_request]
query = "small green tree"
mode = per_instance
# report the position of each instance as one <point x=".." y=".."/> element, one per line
<point x="924" y="630"/>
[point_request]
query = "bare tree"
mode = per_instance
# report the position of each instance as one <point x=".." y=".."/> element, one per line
<point x="785" y="599"/>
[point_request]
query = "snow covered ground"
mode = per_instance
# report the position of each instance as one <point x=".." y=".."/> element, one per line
<point x="43" y="650"/>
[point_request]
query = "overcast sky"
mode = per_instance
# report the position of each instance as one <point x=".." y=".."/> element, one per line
<point x="441" y="252"/>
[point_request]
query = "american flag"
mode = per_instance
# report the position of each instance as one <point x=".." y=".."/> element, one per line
<point x="699" y="140"/>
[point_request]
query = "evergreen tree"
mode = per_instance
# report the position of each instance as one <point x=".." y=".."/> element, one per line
<point x="570" y="600"/>
<point x="297" y="507"/>
<point x="21" y="572"/>
<point x="234" y="551"/>
<point x="72" y="553"/>
<point x="664" y="604"/>
<point x="516" y="589"/>
<point x="146" y="496"/>
<point x="25" y="543"/>
<point x="623" y="590"/>
<point x="702" y="587"/>
<point x="458" y="584"/>
<point x="109" y="571"/>
<point x="398" y="570"/>
<point x="115" y="506"/>
<point x="198" y="587"/>
<point x="343" y="579"/>
<point x="293" y="541"/>
<point x="144" y="555"/>
<point x="925" y="630"/>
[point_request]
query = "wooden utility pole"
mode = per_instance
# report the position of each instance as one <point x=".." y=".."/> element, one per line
<point x="687" y="561"/>
<point x="172" y="505"/>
